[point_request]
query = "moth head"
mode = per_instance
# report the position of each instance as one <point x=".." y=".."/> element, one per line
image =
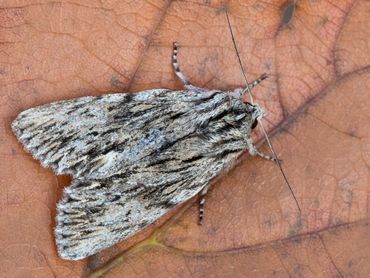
<point x="257" y="113"/>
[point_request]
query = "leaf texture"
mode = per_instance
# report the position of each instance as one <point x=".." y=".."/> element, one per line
<point x="317" y="100"/>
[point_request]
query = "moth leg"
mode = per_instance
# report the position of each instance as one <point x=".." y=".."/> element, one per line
<point x="202" y="201"/>
<point x="180" y="75"/>
<point x="177" y="67"/>
<point x="254" y="83"/>
<point x="238" y="92"/>
<point x="254" y="151"/>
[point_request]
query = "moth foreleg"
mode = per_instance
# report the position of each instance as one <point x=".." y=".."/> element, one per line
<point x="254" y="83"/>
<point x="180" y="75"/>
<point x="202" y="201"/>
<point x="254" y="151"/>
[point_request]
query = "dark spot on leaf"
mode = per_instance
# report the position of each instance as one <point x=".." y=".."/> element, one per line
<point x="288" y="12"/>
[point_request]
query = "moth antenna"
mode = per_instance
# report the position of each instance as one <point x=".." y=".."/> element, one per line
<point x="259" y="120"/>
<point x="279" y="164"/>
<point x="239" y="60"/>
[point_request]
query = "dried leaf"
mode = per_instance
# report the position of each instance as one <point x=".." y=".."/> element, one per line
<point x="317" y="100"/>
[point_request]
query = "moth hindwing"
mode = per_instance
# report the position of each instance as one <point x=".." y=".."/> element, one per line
<point x="133" y="156"/>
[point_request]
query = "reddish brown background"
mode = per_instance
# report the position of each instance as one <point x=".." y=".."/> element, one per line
<point x="318" y="103"/>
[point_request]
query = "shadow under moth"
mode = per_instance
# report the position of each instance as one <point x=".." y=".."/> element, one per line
<point x="134" y="156"/>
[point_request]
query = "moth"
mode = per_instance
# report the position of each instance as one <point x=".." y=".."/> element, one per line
<point x="134" y="156"/>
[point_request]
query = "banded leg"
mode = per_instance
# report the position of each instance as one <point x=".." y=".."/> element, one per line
<point x="254" y="151"/>
<point x="176" y="66"/>
<point x="180" y="75"/>
<point x="202" y="201"/>
<point x="258" y="80"/>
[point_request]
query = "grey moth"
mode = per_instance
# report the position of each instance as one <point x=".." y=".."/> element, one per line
<point x="134" y="156"/>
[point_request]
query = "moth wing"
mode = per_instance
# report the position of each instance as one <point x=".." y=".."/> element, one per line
<point x="97" y="137"/>
<point x="94" y="215"/>
<point x="77" y="136"/>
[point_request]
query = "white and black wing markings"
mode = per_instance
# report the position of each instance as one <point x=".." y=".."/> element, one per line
<point x="132" y="157"/>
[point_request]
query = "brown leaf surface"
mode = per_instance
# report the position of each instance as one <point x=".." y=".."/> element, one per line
<point x="317" y="98"/>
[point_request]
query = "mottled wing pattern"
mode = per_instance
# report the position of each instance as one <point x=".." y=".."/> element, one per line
<point x="70" y="135"/>
<point x="132" y="157"/>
